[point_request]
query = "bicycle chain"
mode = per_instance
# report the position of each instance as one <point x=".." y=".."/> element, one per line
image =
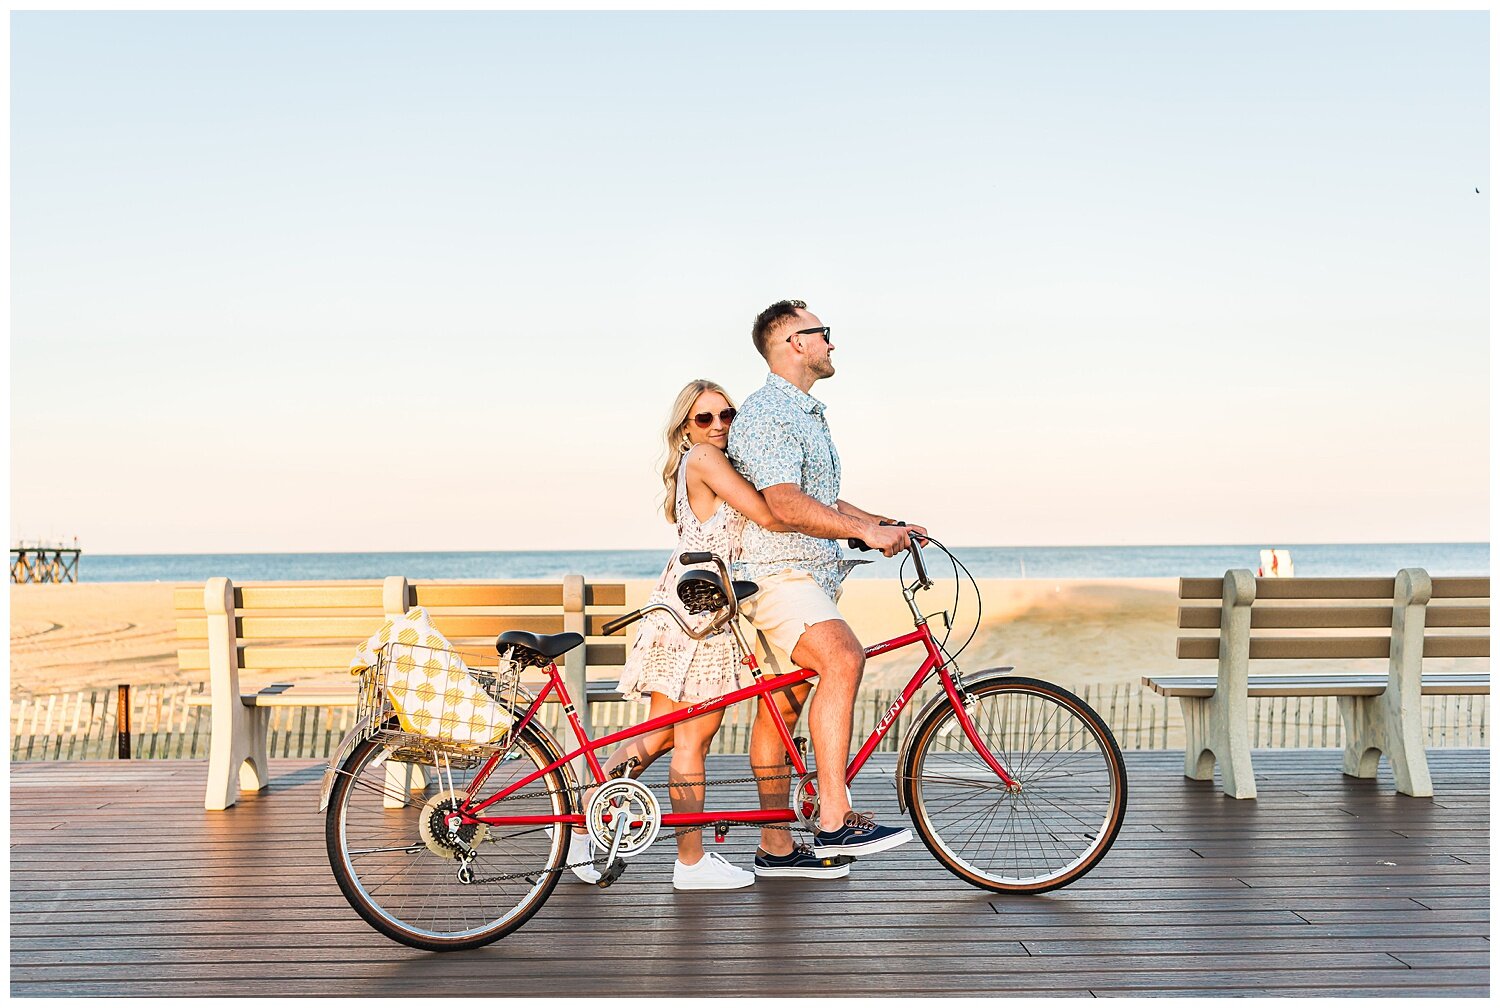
<point x="680" y="833"/>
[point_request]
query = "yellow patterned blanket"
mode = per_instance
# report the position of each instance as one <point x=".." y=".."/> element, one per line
<point x="432" y="690"/>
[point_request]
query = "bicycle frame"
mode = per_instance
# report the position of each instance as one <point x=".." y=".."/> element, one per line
<point x="761" y="689"/>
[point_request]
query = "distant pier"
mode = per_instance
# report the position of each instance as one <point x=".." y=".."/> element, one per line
<point x="44" y="562"/>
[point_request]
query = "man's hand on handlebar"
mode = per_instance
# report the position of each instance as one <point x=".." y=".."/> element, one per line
<point x="889" y="539"/>
<point x="917" y="532"/>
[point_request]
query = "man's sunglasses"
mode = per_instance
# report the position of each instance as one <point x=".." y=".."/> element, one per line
<point x="725" y="416"/>
<point x="825" y="331"/>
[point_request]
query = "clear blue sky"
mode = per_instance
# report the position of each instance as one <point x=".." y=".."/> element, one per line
<point x="423" y="281"/>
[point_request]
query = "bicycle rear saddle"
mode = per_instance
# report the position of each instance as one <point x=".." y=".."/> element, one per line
<point x="536" y="649"/>
<point x="703" y="591"/>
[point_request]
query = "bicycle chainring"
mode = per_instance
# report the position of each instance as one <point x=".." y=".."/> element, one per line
<point x="628" y="801"/>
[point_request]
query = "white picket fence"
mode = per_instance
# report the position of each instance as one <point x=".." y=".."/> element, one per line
<point x="84" y="725"/>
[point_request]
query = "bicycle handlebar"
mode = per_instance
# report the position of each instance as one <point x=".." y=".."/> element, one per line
<point x="615" y="625"/>
<point x="696" y="558"/>
<point x="916" y="554"/>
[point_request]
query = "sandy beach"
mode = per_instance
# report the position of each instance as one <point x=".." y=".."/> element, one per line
<point x="75" y="636"/>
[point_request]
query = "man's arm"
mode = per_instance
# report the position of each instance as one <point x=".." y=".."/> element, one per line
<point x="802" y="513"/>
<point x="854" y="512"/>
<point x="849" y="509"/>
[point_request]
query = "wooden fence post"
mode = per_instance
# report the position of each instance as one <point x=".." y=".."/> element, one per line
<point x="122" y="721"/>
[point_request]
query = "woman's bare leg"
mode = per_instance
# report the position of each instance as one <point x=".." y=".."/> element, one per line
<point x="693" y="739"/>
<point x="645" y="748"/>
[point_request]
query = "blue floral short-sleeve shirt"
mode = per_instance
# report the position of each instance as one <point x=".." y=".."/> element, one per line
<point x="781" y="436"/>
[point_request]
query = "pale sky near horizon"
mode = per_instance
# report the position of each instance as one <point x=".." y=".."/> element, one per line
<point x="308" y="282"/>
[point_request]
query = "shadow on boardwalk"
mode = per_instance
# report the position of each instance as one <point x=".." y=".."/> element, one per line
<point x="121" y="884"/>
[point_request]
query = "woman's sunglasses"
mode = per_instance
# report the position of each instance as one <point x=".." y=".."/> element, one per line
<point x="725" y="417"/>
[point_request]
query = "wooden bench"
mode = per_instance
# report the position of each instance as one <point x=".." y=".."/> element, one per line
<point x="1381" y="714"/>
<point x="224" y="630"/>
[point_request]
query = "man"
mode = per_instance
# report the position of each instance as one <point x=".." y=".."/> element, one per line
<point x="781" y="443"/>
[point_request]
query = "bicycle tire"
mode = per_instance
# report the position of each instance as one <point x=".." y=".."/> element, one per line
<point x="414" y="894"/>
<point x="1072" y="797"/>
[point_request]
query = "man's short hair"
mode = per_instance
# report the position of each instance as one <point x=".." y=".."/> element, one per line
<point x="768" y="321"/>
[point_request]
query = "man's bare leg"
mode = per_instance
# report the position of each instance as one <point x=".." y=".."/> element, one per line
<point x="832" y="649"/>
<point x="768" y="760"/>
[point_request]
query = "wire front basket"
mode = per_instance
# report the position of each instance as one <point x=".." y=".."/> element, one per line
<point x="425" y="702"/>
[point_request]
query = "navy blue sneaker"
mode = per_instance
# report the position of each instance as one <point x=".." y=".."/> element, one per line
<point x="802" y="862"/>
<point x="859" y="836"/>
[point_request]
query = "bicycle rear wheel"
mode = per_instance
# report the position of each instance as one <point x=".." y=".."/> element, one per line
<point x="1052" y="829"/>
<point x="389" y="849"/>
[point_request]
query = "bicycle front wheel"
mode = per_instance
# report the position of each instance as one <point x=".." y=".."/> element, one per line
<point x="1049" y="830"/>
<point x="398" y="867"/>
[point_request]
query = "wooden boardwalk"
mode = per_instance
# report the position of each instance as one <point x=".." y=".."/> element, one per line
<point x="121" y="884"/>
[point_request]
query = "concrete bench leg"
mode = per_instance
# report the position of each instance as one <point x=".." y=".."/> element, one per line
<point x="236" y="753"/>
<point x="237" y="745"/>
<point x="1218" y="727"/>
<point x="400" y="780"/>
<point x="1217" y="736"/>
<point x="1391" y="723"/>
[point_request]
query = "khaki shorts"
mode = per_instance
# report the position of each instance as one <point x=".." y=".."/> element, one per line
<point x="787" y="605"/>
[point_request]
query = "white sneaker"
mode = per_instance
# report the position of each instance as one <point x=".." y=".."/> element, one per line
<point x="581" y="848"/>
<point x="713" y="872"/>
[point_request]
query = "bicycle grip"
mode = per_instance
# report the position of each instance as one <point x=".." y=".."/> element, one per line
<point x="696" y="558"/>
<point x="619" y="624"/>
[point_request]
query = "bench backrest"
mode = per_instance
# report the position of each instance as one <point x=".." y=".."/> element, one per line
<point x="1302" y="604"/>
<point x="314" y="627"/>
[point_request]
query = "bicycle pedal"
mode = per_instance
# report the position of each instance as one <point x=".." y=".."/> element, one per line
<point x="801" y="744"/>
<point x="611" y="873"/>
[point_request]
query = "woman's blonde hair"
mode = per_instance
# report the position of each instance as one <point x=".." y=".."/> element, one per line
<point x="676" y="435"/>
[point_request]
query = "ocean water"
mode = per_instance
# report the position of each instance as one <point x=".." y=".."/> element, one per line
<point x="1310" y="560"/>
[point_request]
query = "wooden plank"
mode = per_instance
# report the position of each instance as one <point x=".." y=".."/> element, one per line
<point x="1434" y="646"/>
<point x="1324" y="588"/>
<point x="357" y="628"/>
<point x="1291" y="617"/>
<point x="1455" y="646"/>
<point x="1460" y="587"/>
<point x="1319" y="685"/>
<point x="1458" y="616"/>
<point x="1330" y="588"/>
<point x="1200" y="588"/>
<point x="448" y="594"/>
<point x="1272" y="617"/>
<point x="271" y="595"/>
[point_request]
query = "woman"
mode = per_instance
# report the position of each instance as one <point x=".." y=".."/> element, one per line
<point x="709" y="503"/>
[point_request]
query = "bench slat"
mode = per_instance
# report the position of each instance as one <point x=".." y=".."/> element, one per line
<point x="1293" y="588"/>
<point x="1434" y="646"/>
<point x="357" y="628"/>
<point x="1450" y="684"/>
<point x="311" y="695"/>
<point x="1460" y="587"/>
<point x="449" y="595"/>
<point x="336" y="657"/>
<point x="1272" y="617"/>
<point x="1299" y="587"/>
<point x="1289" y="617"/>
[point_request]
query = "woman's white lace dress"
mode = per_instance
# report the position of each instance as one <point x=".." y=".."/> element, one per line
<point x="665" y="660"/>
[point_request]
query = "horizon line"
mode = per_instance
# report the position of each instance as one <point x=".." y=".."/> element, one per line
<point x="1275" y="544"/>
